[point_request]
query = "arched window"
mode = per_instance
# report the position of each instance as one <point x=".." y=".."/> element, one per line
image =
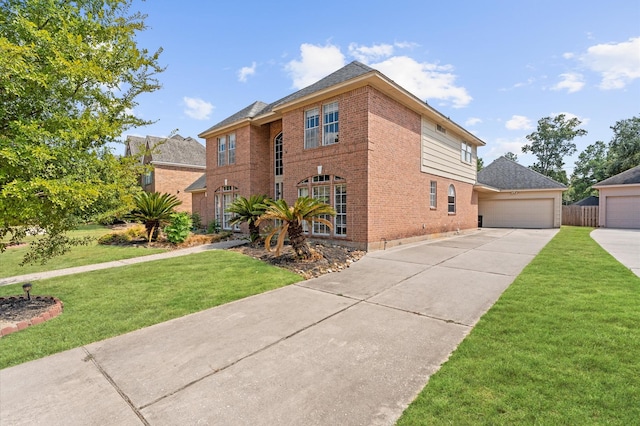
<point x="224" y="196"/>
<point x="278" y="155"/>
<point x="331" y="190"/>
<point x="452" y="200"/>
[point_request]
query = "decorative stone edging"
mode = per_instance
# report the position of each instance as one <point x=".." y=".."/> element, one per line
<point x="52" y="312"/>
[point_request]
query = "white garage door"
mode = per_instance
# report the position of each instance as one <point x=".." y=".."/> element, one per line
<point x="623" y="212"/>
<point x="534" y="213"/>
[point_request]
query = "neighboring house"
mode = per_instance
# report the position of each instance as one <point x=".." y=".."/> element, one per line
<point x="514" y="196"/>
<point x="394" y="168"/>
<point x="620" y="200"/>
<point x="587" y="202"/>
<point x="176" y="162"/>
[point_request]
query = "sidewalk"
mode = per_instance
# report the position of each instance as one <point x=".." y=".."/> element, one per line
<point x="348" y="348"/>
<point x="117" y="263"/>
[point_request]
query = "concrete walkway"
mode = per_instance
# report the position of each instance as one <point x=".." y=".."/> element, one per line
<point x="623" y="244"/>
<point x="348" y="348"/>
<point x="117" y="263"/>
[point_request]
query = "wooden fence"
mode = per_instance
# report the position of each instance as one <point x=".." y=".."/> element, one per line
<point x="580" y="215"/>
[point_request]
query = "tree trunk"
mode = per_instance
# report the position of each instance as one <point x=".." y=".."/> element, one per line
<point x="299" y="241"/>
<point x="254" y="232"/>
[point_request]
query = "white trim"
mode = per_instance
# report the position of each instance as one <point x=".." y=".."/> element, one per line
<point x="192" y="166"/>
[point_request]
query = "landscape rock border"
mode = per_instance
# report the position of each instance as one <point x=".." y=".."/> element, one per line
<point x="52" y="312"/>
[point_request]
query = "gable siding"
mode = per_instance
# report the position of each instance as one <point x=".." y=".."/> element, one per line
<point x="441" y="155"/>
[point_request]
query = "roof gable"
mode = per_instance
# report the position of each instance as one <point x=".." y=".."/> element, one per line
<point x="509" y="175"/>
<point x="175" y="150"/>
<point x="627" y="177"/>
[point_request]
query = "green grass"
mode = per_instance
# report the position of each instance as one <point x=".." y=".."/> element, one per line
<point x="110" y="302"/>
<point x="78" y="256"/>
<point x="560" y="347"/>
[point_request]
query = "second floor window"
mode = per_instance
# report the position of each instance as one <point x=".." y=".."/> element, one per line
<point x="227" y="149"/>
<point x="311" y="128"/>
<point x="330" y="123"/>
<point x="466" y="152"/>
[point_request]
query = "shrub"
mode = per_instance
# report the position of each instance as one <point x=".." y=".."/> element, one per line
<point x="214" y="227"/>
<point x="179" y="227"/>
<point x="136" y="231"/>
<point x="197" y="222"/>
<point x="114" y="238"/>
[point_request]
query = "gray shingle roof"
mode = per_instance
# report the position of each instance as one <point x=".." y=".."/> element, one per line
<point x="625" y="178"/>
<point x="135" y="145"/>
<point x="509" y="175"/>
<point x="177" y="150"/>
<point x="589" y="201"/>
<point x="198" y="184"/>
<point x="348" y="72"/>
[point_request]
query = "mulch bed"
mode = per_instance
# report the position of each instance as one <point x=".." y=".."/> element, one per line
<point x="18" y="312"/>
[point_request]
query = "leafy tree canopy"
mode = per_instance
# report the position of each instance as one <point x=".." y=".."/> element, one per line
<point x="511" y="156"/>
<point x="624" y="148"/>
<point x="551" y="143"/>
<point x="589" y="169"/>
<point x="70" y="72"/>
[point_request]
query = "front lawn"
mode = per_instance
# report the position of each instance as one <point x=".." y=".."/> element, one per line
<point x="110" y="302"/>
<point x="561" y="346"/>
<point x="78" y="256"/>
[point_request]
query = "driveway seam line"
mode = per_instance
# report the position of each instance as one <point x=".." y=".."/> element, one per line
<point x="112" y="382"/>
<point x="448" y="321"/>
<point x="262" y="349"/>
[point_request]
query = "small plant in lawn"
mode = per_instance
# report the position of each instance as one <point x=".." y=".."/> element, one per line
<point x="179" y="227"/>
<point x="114" y="238"/>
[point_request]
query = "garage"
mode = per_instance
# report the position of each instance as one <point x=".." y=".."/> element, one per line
<point x="623" y="212"/>
<point x="620" y="200"/>
<point x="524" y="213"/>
<point x="514" y="196"/>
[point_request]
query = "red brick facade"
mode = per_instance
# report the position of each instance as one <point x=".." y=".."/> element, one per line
<point x="174" y="180"/>
<point x="377" y="157"/>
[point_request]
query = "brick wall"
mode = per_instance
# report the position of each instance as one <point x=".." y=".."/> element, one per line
<point x="174" y="180"/>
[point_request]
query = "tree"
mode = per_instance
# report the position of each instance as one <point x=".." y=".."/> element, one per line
<point x="248" y="210"/>
<point x="69" y="76"/>
<point x="624" y="148"/>
<point x="511" y="156"/>
<point x="551" y="142"/>
<point x="305" y="209"/>
<point x="479" y="164"/>
<point x="590" y="168"/>
<point x="154" y="210"/>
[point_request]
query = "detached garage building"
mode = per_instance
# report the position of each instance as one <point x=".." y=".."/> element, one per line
<point x="620" y="200"/>
<point x="513" y="196"/>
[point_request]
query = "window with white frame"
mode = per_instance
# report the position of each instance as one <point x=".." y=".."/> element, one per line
<point x="222" y="151"/>
<point x="451" y="200"/>
<point x="278" y="166"/>
<point x="311" y="128"/>
<point x="330" y="123"/>
<point x="227" y="149"/>
<point x="433" y="194"/>
<point x="224" y="196"/>
<point x="331" y="190"/>
<point x="466" y="152"/>
<point x="147" y="177"/>
<point x="231" y="150"/>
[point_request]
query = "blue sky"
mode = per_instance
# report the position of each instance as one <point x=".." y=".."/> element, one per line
<point x="495" y="67"/>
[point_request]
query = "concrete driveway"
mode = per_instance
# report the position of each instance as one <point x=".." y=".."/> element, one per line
<point x="623" y="244"/>
<point x="348" y="348"/>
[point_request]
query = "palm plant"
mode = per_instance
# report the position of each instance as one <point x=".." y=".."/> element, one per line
<point x="291" y="218"/>
<point x="248" y="210"/>
<point x="154" y="210"/>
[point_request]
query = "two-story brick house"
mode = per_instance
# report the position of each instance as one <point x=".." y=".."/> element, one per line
<point x="393" y="167"/>
<point x="175" y="163"/>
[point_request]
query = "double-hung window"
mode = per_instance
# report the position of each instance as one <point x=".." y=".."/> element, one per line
<point x="330" y="190"/>
<point x="311" y="128"/>
<point x="466" y="152"/>
<point x="433" y="194"/>
<point x="451" y="200"/>
<point x="227" y="149"/>
<point x="330" y="123"/>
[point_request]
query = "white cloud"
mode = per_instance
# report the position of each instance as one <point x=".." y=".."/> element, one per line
<point x="246" y="72"/>
<point x="617" y="63"/>
<point x="315" y="63"/>
<point x="568" y="55"/>
<point x="425" y="80"/>
<point x="501" y="146"/>
<point x="518" y="122"/>
<point x="472" y="121"/>
<point x="370" y="53"/>
<point x="571" y="81"/>
<point x="197" y="108"/>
